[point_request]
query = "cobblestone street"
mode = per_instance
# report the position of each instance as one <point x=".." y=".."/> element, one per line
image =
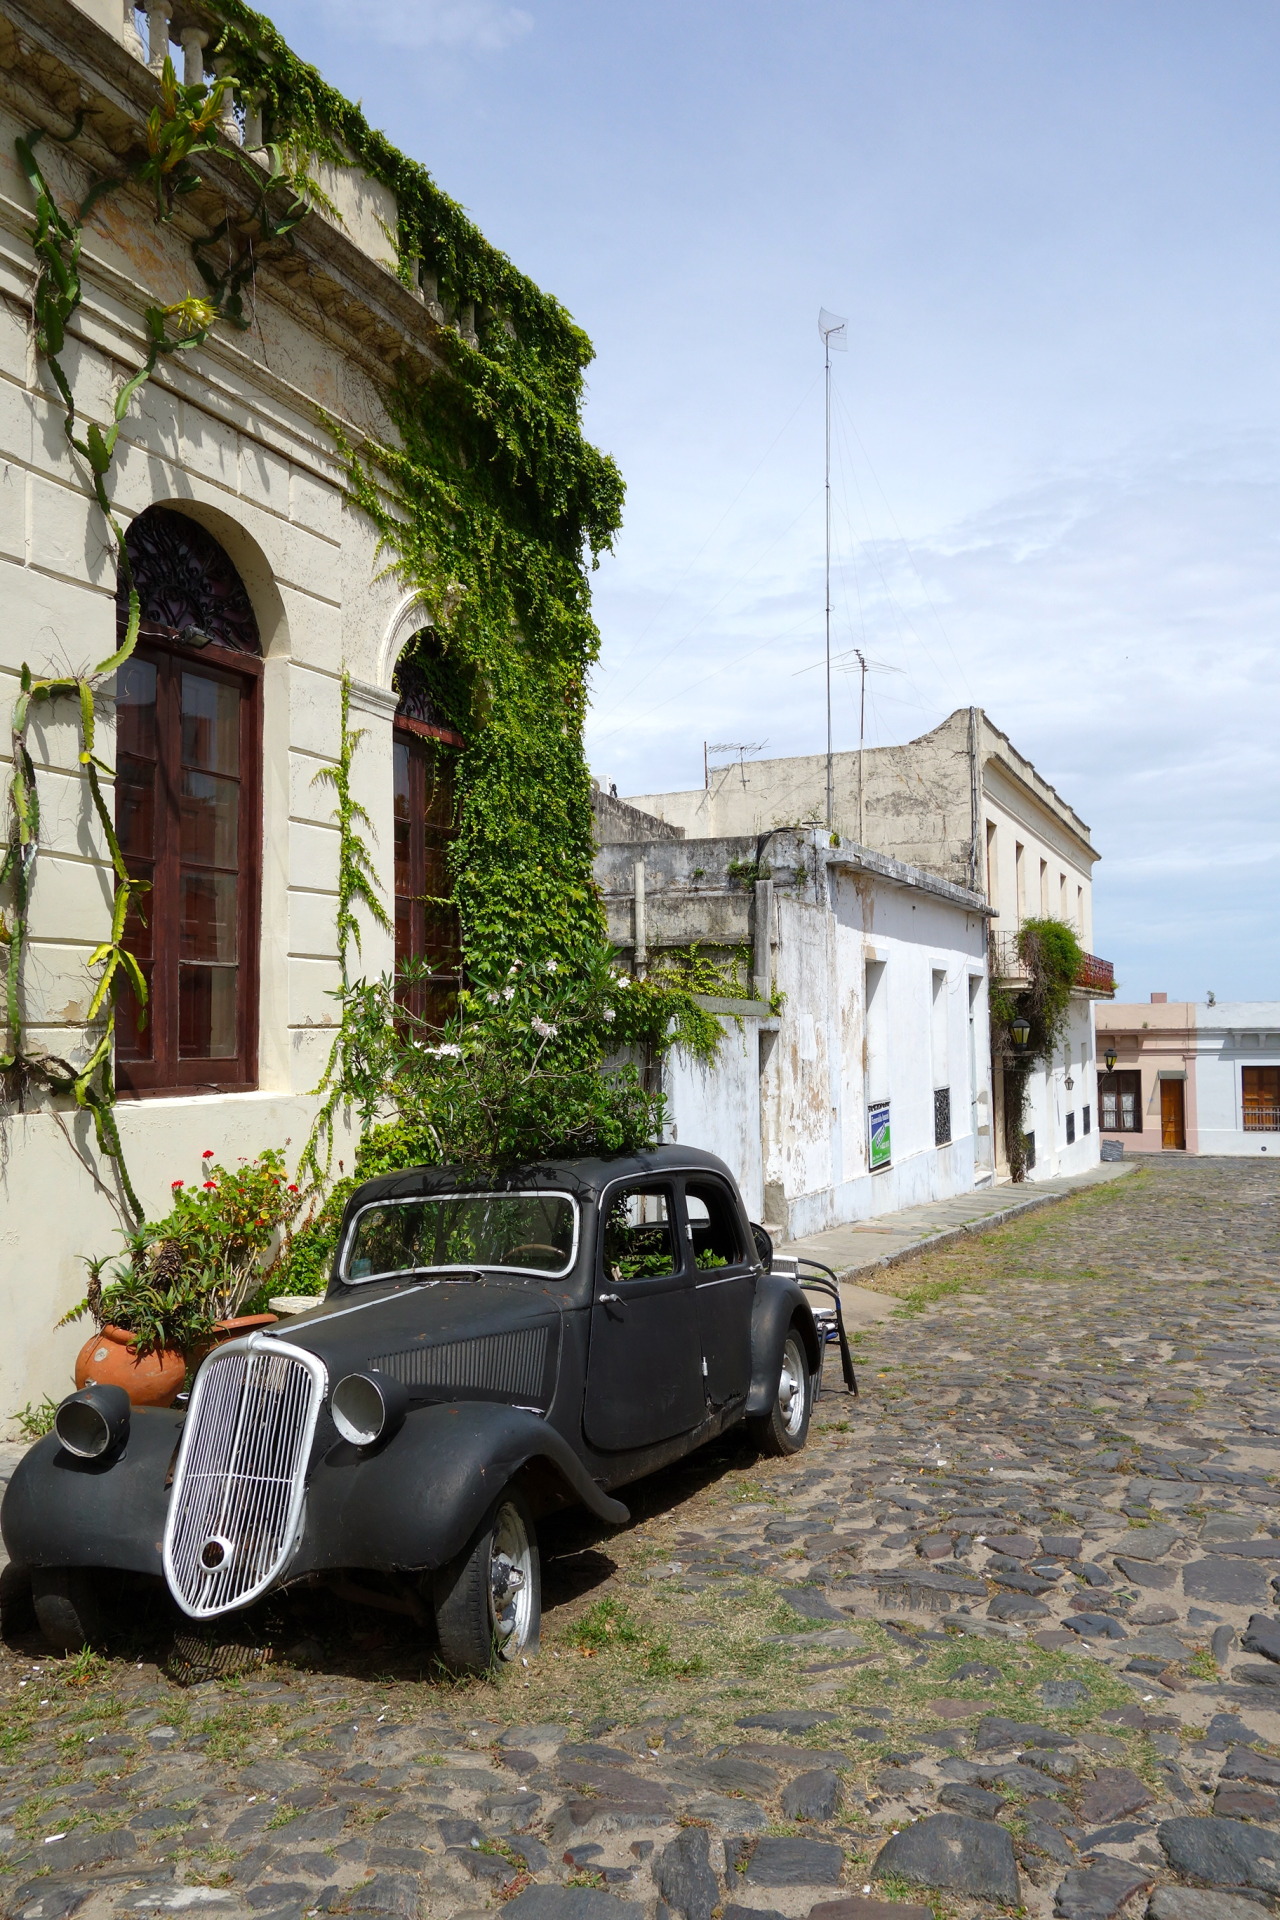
<point x="1002" y="1639"/>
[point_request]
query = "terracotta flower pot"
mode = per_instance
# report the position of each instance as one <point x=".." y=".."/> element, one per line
<point x="111" y="1359"/>
<point x="224" y="1330"/>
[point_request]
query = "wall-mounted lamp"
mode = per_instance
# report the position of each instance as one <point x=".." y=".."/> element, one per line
<point x="1020" y="1030"/>
<point x="1110" y="1057"/>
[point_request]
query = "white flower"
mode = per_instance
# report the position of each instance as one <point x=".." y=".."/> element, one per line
<point x="448" y="1047"/>
<point x="546" y="1028"/>
<point x="508" y="993"/>
<point x="623" y="980"/>
<point x="552" y="967"/>
<point x="609" y="1014"/>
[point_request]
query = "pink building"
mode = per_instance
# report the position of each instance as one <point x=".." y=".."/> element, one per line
<point x="1189" y="1076"/>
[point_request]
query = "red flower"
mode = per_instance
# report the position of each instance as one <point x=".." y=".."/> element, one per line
<point x="175" y="1184"/>
<point x="293" y="1189"/>
<point x="207" y="1154"/>
<point x="211" y="1186"/>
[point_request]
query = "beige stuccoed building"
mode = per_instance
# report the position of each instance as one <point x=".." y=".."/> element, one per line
<point x="260" y="584"/>
<point x="963" y="803"/>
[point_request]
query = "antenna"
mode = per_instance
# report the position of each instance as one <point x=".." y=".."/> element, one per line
<point x="833" y="331"/>
<point x="739" y="747"/>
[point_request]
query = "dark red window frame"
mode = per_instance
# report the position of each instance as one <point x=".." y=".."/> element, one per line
<point x="157" y="1058"/>
<point x="427" y="933"/>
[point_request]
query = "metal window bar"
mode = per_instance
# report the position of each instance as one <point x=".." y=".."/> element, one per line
<point x="941" y="1116"/>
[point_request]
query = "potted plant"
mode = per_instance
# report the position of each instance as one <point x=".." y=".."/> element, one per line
<point x="185" y="1279"/>
<point x="147" y="1318"/>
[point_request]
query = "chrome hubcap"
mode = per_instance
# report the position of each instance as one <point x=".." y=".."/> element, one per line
<point x="511" y="1582"/>
<point x="791" y="1387"/>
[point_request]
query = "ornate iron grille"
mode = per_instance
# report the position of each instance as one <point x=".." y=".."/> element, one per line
<point x="941" y="1116"/>
<point x="240" y="1481"/>
<point x="497" y="1363"/>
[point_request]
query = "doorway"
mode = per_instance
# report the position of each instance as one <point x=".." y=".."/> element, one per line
<point x="1173" y="1114"/>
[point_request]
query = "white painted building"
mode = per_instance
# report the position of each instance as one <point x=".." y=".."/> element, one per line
<point x="961" y="802"/>
<point x="855" y="1081"/>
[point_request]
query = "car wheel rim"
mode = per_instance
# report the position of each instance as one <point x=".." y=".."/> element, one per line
<point x="791" y="1388"/>
<point x="511" y="1582"/>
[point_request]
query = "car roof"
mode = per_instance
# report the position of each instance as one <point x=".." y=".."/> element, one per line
<point x="586" y="1178"/>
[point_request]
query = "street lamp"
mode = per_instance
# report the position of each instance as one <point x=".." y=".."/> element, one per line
<point x="1020" y="1030"/>
<point x="1110" y="1057"/>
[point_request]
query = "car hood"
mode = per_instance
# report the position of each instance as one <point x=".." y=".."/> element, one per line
<point x="445" y="1339"/>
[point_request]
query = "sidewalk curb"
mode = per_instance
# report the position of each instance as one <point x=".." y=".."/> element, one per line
<point x="951" y="1234"/>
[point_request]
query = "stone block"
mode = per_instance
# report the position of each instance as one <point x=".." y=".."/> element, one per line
<point x="68" y="535"/>
<point x="779" y="1862"/>
<point x="1224" y="1853"/>
<point x="1099" y="1892"/>
<point x="1240" y="1583"/>
<point x="954" y="1853"/>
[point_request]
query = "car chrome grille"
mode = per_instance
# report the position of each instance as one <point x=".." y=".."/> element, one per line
<point x="240" y="1479"/>
<point x="498" y="1363"/>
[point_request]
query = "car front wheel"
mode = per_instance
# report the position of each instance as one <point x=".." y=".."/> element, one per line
<point x="785" y="1428"/>
<point x="68" y="1607"/>
<point x="488" y="1600"/>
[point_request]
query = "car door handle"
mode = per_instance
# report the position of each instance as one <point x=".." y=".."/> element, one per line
<point x="602" y="1297"/>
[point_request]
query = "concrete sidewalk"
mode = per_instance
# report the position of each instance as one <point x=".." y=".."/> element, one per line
<point x="865" y="1245"/>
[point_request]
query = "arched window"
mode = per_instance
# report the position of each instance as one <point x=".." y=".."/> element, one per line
<point x="428" y="938"/>
<point x="188" y="799"/>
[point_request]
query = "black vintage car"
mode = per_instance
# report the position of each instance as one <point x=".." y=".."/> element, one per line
<point x="483" y="1355"/>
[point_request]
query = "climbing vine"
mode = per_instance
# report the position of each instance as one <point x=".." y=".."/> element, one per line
<point x="182" y="125"/>
<point x="493" y="507"/>
<point x="1052" y="957"/>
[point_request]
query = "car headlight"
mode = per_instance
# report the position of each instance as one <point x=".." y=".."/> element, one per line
<point x="93" y="1422"/>
<point x="367" y="1407"/>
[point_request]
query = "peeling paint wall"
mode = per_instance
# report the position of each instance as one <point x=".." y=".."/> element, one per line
<point x="786" y="1103"/>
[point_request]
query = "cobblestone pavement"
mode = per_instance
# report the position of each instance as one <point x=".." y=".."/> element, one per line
<point x="1003" y="1639"/>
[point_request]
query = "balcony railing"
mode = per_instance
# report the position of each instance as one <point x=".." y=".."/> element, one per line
<point x="1259" y="1119"/>
<point x="1095" y="977"/>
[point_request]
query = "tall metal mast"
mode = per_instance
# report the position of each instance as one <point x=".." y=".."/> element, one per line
<point x="832" y="329"/>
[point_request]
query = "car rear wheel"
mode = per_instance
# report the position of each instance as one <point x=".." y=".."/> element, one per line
<point x="785" y="1428"/>
<point x="68" y="1606"/>
<point x="488" y="1600"/>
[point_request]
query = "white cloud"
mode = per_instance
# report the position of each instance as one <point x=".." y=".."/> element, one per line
<point x="475" y="26"/>
<point x="1118" y="621"/>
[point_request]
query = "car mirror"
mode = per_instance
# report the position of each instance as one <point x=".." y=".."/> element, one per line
<point x="764" y="1246"/>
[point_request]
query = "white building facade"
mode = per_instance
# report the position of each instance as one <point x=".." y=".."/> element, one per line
<point x="855" y="1080"/>
<point x="960" y="802"/>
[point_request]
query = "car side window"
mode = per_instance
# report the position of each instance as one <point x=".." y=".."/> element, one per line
<point x="639" y="1241"/>
<point x="715" y="1232"/>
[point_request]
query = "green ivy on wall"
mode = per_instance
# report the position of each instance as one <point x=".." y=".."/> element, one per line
<point x="490" y="504"/>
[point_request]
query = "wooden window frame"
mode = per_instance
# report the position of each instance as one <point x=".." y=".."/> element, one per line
<point x="1118" y="1074"/>
<point x="421" y="733"/>
<point x="1252" y="1104"/>
<point x="168" y="1074"/>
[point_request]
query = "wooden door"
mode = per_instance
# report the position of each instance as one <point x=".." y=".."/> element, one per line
<point x="1173" y="1117"/>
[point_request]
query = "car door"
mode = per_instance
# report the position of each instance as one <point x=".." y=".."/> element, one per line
<point x="724" y="1286"/>
<point x="644" y="1363"/>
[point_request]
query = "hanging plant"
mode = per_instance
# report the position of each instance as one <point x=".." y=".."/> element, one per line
<point x="1052" y="957"/>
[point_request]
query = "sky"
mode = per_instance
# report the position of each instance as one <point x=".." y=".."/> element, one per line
<point x="1052" y="229"/>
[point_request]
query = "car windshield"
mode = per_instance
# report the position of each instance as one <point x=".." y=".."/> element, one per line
<point x="517" y="1232"/>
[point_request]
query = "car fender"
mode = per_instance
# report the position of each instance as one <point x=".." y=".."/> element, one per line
<point x="415" y="1501"/>
<point x="779" y="1304"/>
<point x="63" y="1512"/>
